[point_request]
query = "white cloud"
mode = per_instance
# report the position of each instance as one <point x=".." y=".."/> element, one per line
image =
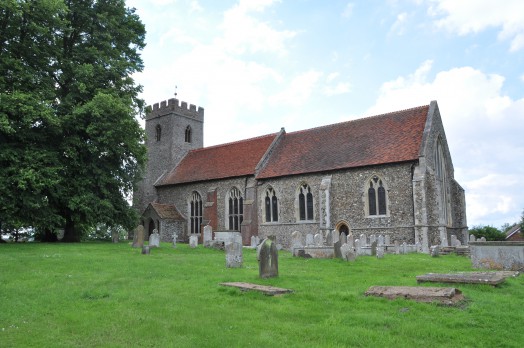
<point x="473" y="16"/>
<point x="484" y="131"/>
<point x="398" y="27"/>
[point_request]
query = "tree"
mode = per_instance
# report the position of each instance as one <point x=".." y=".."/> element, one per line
<point x="488" y="232"/>
<point x="72" y="147"/>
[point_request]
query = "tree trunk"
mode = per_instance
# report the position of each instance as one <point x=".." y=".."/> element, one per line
<point x="71" y="234"/>
<point x="49" y="236"/>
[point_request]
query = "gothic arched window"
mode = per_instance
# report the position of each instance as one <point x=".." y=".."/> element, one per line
<point x="271" y="205"/>
<point x="158" y="132"/>
<point x="305" y="203"/>
<point x="188" y="134"/>
<point x="376" y="197"/>
<point x="235" y="204"/>
<point x="195" y="212"/>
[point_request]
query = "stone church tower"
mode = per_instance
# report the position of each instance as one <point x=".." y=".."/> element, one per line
<point x="172" y="129"/>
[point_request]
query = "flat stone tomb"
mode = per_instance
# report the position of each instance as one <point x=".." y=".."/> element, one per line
<point x="489" y="278"/>
<point x="268" y="290"/>
<point x="446" y="296"/>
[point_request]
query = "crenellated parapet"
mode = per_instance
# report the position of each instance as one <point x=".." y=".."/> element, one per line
<point x="173" y="105"/>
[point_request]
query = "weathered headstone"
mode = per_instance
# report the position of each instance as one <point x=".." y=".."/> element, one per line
<point x="372" y="239"/>
<point x="363" y="240"/>
<point x="193" y="241"/>
<point x="482" y="239"/>
<point x="387" y="239"/>
<point x="175" y="236"/>
<point x="138" y="238"/>
<point x="343" y="238"/>
<point x="267" y="255"/>
<point x="351" y="240"/>
<point x="234" y="258"/>
<point x="380" y="240"/>
<point x="374" y="248"/>
<point x="145" y="249"/>
<point x="336" y="249"/>
<point x="319" y="240"/>
<point x="435" y="251"/>
<point x="404" y="248"/>
<point x="397" y="247"/>
<point x="380" y="252"/>
<point x="336" y="236"/>
<point x="296" y="242"/>
<point x="472" y="238"/>
<point x="348" y="253"/>
<point x="329" y="238"/>
<point x="154" y="239"/>
<point x="208" y="235"/>
<point x="254" y="241"/>
<point x="310" y="240"/>
<point x="356" y="246"/>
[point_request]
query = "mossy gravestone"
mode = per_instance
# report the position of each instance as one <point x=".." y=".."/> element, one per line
<point x="138" y="237"/>
<point x="268" y="258"/>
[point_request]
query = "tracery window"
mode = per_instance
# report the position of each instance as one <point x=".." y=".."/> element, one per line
<point x="158" y="132"/>
<point x="271" y="205"/>
<point x="188" y="134"/>
<point x="377" y="199"/>
<point x="305" y="203"/>
<point x="235" y="209"/>
<point x="195" y="212"/>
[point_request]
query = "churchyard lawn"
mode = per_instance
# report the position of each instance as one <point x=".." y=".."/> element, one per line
<point x="110" y="295"/>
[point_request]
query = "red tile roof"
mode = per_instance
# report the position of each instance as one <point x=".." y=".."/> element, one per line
<point x="388" y="138"/>
<point x="222" y="161"/>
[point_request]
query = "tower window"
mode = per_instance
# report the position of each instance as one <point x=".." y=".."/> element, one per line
<point x="188" y="134"/>
<point x="158" y="133"/>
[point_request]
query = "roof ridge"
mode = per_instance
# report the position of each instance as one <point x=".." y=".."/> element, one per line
<point x="358" y="119"/>
<point x="233" y="142"/>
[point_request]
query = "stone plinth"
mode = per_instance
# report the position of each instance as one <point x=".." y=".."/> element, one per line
<point x="448" y="296"/>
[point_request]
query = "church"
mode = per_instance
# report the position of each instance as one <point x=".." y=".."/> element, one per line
<point x="388" y="174"/>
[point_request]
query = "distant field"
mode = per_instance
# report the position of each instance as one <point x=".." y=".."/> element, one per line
<point x="109" y="295"/>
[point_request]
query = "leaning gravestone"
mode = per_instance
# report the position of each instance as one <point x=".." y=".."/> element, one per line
<point x="208" y="235"/>
<point x="234" y="257"/>
<point x="154" y="239"/>
<point x="267" y="255"/>
<point x="193" y="241"/>
<point x="138" y="238"/>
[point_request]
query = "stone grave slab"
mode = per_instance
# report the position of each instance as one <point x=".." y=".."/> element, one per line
<point x="266" y="289"/>
<point x="489" y="278"/>
<point x="446" y="296"/>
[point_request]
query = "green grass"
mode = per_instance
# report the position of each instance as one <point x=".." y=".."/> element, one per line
<point x="109" y="295"/>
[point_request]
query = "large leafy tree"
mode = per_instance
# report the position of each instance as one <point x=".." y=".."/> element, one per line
<point x="71" y="147"/>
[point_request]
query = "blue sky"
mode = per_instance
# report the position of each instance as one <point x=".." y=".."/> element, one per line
<point x="259" y="65"/>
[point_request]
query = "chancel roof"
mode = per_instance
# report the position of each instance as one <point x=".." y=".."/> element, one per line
<point x="388" y="138"/>
<point x="222" y="161"/>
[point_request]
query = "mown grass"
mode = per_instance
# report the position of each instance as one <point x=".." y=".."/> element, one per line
<point x="109" y="295"/>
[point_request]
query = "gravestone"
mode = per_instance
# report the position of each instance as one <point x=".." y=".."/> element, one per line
<point x="234" y="258"/>
<point x="337" y="250"/>
<point x="296" y="242"/>
<point x="254" y="241"/>
<point x="380" y="240"/>
<point x="267" y="255"/>
<point x="348" y="253"/>
<point x="208" y="235"/>
<point x="336" y="236"/>
<point x="343" y="238"/>
<point x="310" y="240"/>
<point x="138" y="238"/>
<point x="482" y="239"/>
<point x="374" y="248"/>
<point x="397" y="247"/>
<point x="472" y="238"/>
<point x="380" y="252"/>
<point x="363" y="240"/>
<point x="435" y="251"/>
<point x="356" y="246"/>
<point x="351" y="240"/>
<point x="372" y="239"/>
<point x="387" y="239"/>
<point x="319" y="240"/>
<point x="329" y="238"/>
<point x="404" y="248"/>
<point x="145" y="249"/>
<point x="175" y="236"/>
<point x="193" y="241"/>
<point x="154" y="239"/>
